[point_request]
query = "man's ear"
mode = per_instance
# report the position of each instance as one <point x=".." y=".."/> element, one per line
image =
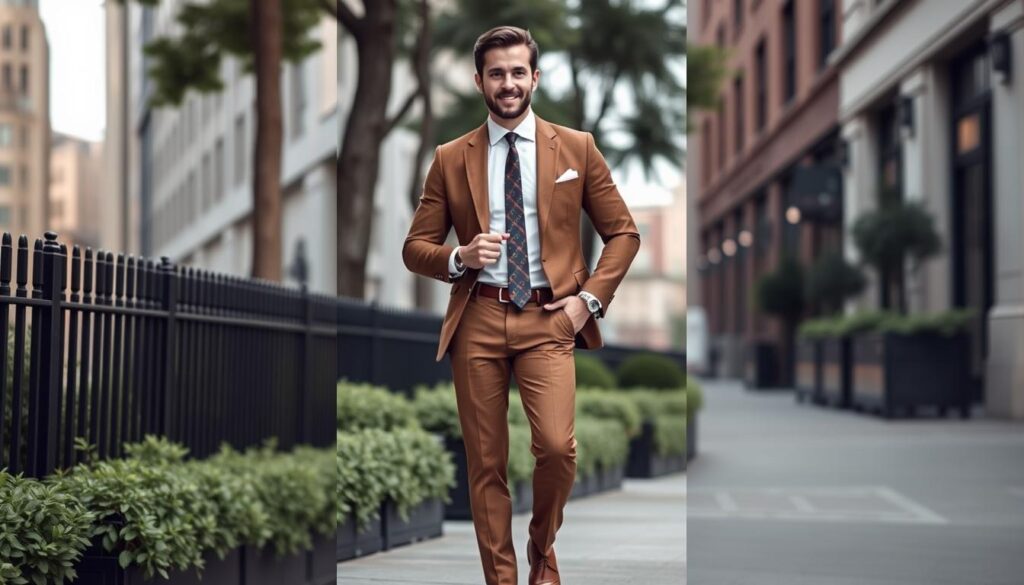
<point x="478" y="82"/>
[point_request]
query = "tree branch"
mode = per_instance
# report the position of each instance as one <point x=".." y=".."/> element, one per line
<point x="348" y="18"/>
<point x="409" y="101"/>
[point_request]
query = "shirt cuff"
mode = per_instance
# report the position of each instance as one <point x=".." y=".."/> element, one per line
<point x="452" y="271"/>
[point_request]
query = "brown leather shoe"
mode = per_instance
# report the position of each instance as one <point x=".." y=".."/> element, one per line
<point x="540" y="572"/>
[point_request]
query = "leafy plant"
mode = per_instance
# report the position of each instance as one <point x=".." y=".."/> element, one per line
<point x="670" y="435"/>
<point x="694" y="397"/>
<point x="362" y="406"/>
<point x="652" y="403"/>
<point x="599" y="443"/>
<point x="831" y="280"/>
<point x="44" y="529"/>
<point x="613" y="406"/>
<point x="946" y="323"/>
<point x="437" y="410"/>
<point x="520" y="459"/>
<point x="592" y="373"/>
<point x="649" y="370"/>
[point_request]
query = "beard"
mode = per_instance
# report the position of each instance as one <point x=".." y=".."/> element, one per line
<point x="503" y="111"/>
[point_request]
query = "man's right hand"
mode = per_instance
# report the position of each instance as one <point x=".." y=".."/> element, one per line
<point x="484" y="250"/>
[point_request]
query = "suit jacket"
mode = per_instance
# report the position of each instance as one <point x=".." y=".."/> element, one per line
<point x="455" y="195"/>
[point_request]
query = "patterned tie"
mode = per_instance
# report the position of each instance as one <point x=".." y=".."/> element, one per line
<point x="515" y="224"/>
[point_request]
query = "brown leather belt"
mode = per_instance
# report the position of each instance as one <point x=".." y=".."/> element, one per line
<point x="538" y="295"/>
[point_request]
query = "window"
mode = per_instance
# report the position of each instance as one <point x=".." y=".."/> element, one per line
<point x="5" y="175"/>
<point x="890" y="162"/>
<point x="7" y="36"/>
<point x="737" y="17"/>
<point x="740" y="104"/>
<point x="298" y="84"/>
<point x="24" y="136"/>
<point x="706" y="136"/>
<point x="24" y="37"/>
<point x="788" y="52"/>
<point x="720" y="36"/>
<point x="6" y="135"/>
<point x="761" y="70"/>
<point x="240" y="149"/>
<point x="721" y="134"/>
<point x="8" y="76"/>
<point x="827" y="31"/>
<point x="24" y="79"/>
<point x="23" y="171"/>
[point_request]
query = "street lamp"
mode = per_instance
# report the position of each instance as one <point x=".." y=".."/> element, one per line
<point x="746" y="238"/>
<point x="793" y="215"/>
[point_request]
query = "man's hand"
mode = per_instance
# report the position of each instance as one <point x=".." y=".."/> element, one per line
<point x="574" y="307"/>
<point x="484" y="250"/>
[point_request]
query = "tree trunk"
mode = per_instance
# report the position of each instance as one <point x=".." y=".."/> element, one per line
<point x="421" y="63"/>
<point x="360" y="144"/>
<point x="266" y="213"/>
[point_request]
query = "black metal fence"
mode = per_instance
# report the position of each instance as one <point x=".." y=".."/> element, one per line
<point x="395" y="348"/>
<point x="109" y="349"/>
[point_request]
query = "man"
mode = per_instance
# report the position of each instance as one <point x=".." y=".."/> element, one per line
<point x="522" y="296"/>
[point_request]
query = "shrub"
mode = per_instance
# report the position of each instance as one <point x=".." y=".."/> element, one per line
<point x="651" y="403"/>
<point x="591" y="372"/>
<point x="946" y="323"/>
<point x="694" y="397"/>
<point x="670" y="435"/>
<point x="614" y="406"/>
<point x="361" y="406"/>
<point x="520" y="459"/>
<point x="599" y="443"/>
<point x="44" y="529"/>
<point x="781" y="293"/>
<point x="648" y="370"/>
<point x="437" y="410"/>
<point x="831" y="280"/>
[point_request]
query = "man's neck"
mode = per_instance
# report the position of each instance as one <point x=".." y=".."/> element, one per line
<point x="509" y="123"/>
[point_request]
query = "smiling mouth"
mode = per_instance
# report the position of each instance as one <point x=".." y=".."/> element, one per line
<point x="508" y="98"/>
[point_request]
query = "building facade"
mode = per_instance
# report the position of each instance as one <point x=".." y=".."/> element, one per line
<point x="75" y="208"/>
<point x="24" y="119"/>
<point x="190" y="184"/>
<point x="932" y="109"/>
<point x="776" y="123"/>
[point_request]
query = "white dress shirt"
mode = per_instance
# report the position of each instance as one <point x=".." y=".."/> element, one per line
<point x="497" y="274"/>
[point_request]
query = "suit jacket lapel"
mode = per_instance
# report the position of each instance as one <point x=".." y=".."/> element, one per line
<point x="476" y="172"/>
<point x="547" y="156"/>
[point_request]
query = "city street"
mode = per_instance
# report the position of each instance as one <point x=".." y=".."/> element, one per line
<point x="636" y="536"/>
<point x="789" y="494"/>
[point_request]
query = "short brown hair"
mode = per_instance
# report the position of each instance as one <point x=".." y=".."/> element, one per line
<point x="501" y="37"/>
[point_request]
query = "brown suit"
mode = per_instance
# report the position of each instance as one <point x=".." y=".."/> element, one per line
<point x="489" y="340"/>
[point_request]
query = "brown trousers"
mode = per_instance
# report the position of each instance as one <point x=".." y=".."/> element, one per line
<point x="494" y="339"/>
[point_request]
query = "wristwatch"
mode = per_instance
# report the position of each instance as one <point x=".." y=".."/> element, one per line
<point x="593" y="305"/>
<point x="458" y="262"/>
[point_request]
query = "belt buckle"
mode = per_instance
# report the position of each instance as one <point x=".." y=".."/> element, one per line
<point x="506" y="301"/>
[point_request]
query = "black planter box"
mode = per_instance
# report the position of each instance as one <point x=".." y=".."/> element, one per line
<point x="322" y="567"/>
<point x="425" y="521"/>
<point x="611" y="479"/>
<point x="691" y="436"/>
<point x="644" y="460"/>
<point x="522" y="500"/>
<point x="352" y="543"/>
<point x="836" y="371"/>
<point x="903" y="373"/>
<point x="760" y="368"/>
<point x="807" y="379"/>
<point x="263" y="566"/>
<point x="98" y="567"/>
<point x="458" y="508"/>
<point x="585" y="485"/>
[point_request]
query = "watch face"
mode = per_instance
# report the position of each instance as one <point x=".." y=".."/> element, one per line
<point x="592" y="306"/>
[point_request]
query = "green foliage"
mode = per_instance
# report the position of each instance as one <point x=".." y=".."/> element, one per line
<point x="613" y="406"/>
<point x="892" y="233"/>
<point x="44" y="529"/>
<point x="599" y="443"/>
<point x="654" y="403"/>
<point x="437" y="410"/>
<point x="670" y="435"/>
<point x="361" y="406"/>
<point x="214" y="29"/>
<point x="520" y="459"/>
<point x="832" y="280"/>
<point x="404" y="465"/>
<point x="153" y="450"/>
<point x="781" y="292"/>
<point x="649" y="370"/>
<point x="706" y="67"/>
<point x="592" y="373"/>
<point x="946" y="323"/>
<point x="694" y="396"/>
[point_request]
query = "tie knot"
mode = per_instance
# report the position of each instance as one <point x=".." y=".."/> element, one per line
<point x="511" y="138"/>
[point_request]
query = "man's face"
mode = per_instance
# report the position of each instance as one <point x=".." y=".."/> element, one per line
<point x="508" y="82"/>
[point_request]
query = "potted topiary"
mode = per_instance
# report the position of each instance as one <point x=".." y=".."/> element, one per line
<point x="908" y="362"/>
<point x="591" y="372"/>
<point x="779" y="293"/>
<point x="650" y="370"/>
<point x="661" y="445"/>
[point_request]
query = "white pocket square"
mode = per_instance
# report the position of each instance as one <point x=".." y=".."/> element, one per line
<point x="568" y="176"/>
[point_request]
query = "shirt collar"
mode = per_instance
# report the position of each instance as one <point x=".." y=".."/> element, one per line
<point x="527" y="129"/>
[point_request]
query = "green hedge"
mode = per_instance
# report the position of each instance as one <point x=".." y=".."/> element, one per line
<point x="599" y="443"/>
<point x="670" y="435"/>
<point x="362" y="406"/>
<point x="610" y="405"/>
<point x="653" y="371"/>
<point x="592" y="373"/>
<point x="944" y="323"/>
<point x="405" y="465"/>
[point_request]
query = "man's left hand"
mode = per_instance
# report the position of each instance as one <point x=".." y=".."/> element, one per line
<point x="574" y="307"/>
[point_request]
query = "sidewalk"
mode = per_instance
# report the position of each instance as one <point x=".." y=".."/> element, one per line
<point x="788" y="494"/>
<point x="636" y="536"/>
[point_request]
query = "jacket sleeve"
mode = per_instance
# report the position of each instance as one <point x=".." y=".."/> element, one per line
<point x="613" y="222"/>
<point x="424" y="251"/>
